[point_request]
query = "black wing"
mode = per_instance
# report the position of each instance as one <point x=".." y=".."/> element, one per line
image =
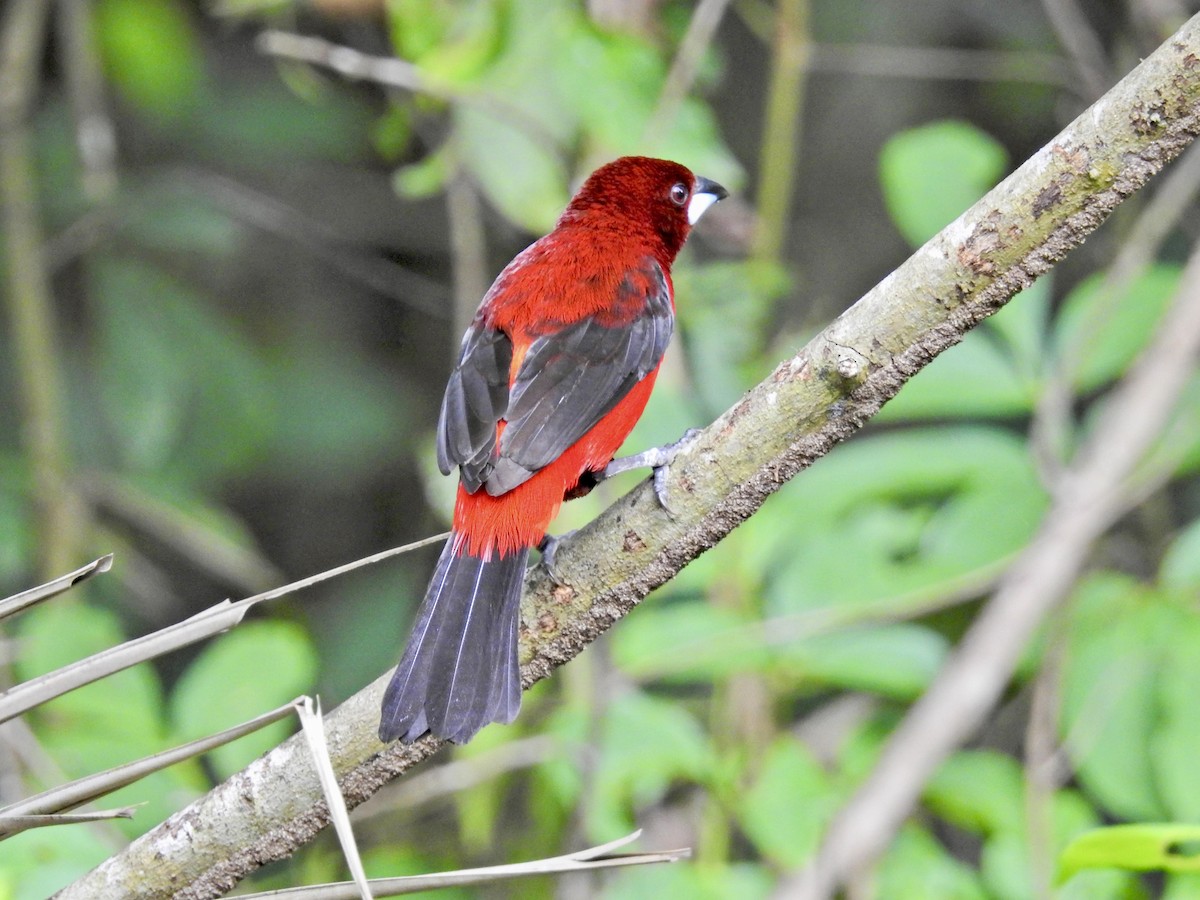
<point x="568" y="381"/>
<point x="475" y="399"/>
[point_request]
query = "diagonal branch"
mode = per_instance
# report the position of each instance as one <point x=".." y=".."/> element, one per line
<point x="809" y="403"/>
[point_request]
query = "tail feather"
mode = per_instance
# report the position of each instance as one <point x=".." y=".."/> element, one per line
<point x="459" y="670"/>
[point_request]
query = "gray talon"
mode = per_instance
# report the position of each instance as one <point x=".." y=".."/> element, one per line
<point x="657" y="458"/>
<point x="549" y="549"/>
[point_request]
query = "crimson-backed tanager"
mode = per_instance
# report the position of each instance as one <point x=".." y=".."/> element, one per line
<point x="554" y="371"/>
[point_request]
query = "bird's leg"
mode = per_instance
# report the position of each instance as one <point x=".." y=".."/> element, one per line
<point x="659" y="459"/>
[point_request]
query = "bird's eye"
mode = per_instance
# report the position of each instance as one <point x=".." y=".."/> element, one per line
<point x="679" y="194"/>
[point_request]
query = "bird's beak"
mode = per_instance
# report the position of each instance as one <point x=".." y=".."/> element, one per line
<point x="704" y="194"/>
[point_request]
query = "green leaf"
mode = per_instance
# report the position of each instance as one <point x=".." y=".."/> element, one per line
<point x="1141" y="848"/>
<point x="259" y="666"/>
<point x="895" y="660"/>
<point x="610" y="82"/>
<point x="647" y="745"/>
<point x="1006" y="866"/>
<point x="473" y="37"/>
<point x="1179" y="445"/>
<point x="791" y="779"/>
<point x="523" y="178"/>
<point x="1181" y="886"/>
<point x="900" y="517"/>
<point x="980" y="791"/>
<point x="1022" y="326"/>
<point x="994" y="372"/>
<point x="1129" y="709"/>
<point x="1180" y="568"/>
<point x="38" y="863"/>
<point x="690" y="641"/>
<point x="694" y="139"/>
<point x="417" y="27"/>
<point x="343" y="414"/>
<point x="1108" y="330"/>
<point x="392" y="132"/>
<point x="984" y="792"/>
<point x="933" y="173"/>
<point x="424" y="178"/>
<point x="262" y="123"/>
<point x="713" y="881"/>
<point x="917" y="867"/>
<point x="513" y="153"/>
<point x="976" y="378"/>
<point x="182" y="388"/>
<point x="1112" y="884"/>
<point x="152" y="54"/>
<point x="1176" y="734"/>
<point x="123" y="709"/>
<point x="1110" y="688"/>
<point x="723" y="311"/>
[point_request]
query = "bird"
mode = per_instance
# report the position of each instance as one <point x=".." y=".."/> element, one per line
<point x="554" y="370"/>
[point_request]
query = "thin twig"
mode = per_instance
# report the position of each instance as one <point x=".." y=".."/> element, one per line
<point x="10" y="606"/>
<point x="248" y="205"/>
<point x="696" y="40"/>
<point x="1042" y="775"/>
<point x="338" y="571"/>
<point x="1081" y="43"/>
<point x="943" y="64"/>
<point x="398" y="73"/>
<point x="95" y="134"/>
<point x="468" y="250"/>
<point x="592" y="859"/>
<point x="29" y="295"/>
<point x="777" y="163"/>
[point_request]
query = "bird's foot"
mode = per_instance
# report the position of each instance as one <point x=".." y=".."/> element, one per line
<point x="549" y="549"/>
<point x="659" y="459"/>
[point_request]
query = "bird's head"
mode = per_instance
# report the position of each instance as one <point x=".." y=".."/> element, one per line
<point x="654" y="199"/>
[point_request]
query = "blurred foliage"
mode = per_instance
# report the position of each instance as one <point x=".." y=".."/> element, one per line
<point x="254" y="330"/>
<point x="932" y="173"/>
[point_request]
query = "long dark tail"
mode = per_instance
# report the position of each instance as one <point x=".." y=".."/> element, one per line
<point x="459" y="671"/>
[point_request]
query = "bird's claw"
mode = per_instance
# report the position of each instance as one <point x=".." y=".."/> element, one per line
<point x="548" y="546"/>
<point x="659" y="459"/>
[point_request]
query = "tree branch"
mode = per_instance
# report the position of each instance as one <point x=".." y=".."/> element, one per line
<point x="809" y="403"/>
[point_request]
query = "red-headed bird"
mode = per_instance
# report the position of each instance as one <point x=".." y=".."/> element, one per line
<point x="555" y="370"/>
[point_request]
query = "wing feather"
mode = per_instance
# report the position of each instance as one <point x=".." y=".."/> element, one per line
<point x="474" y="402"/>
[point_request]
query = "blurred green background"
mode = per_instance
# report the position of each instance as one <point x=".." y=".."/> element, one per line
<point x="256" y="273"/>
